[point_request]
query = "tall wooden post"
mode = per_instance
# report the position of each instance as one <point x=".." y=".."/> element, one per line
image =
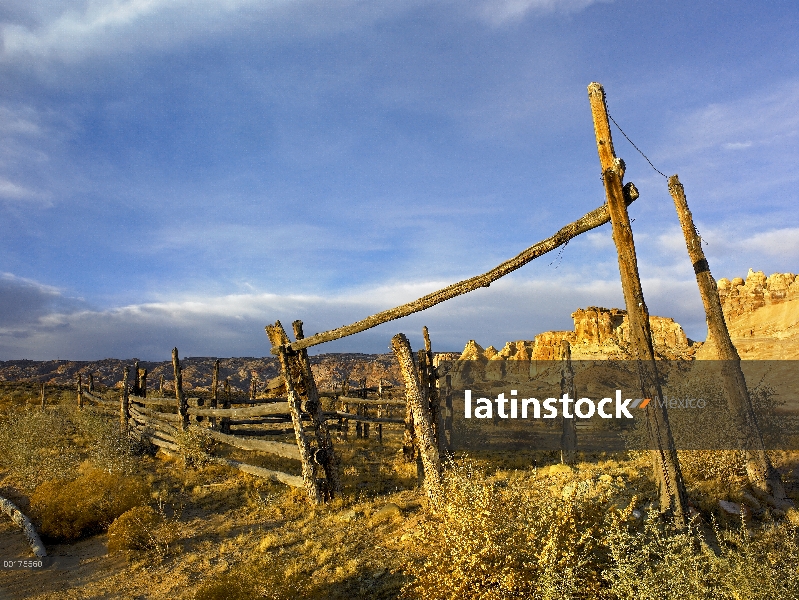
<point x="43" y="399"/>
<point x="325" y="454"/>
<point x="673" y="499"/>
<point x="224" y="424"/>
<point x="762" y="474"/>
<point x="448" y="406"/>
<point x="279" y="339"/>
<point x="214" y="391"/>
<point x="161" y="385"/>
<point x="135" y="391"/>
<point x="568" y="438"/>
<point x="253" y="385"/>
<point x="365" y="408"/>
<point x="183" y="407"/>
<point x="80" y="390"/>
<point x="91" y="382"/>
<point x="434" y="398"/>
<point x="380" y="411"/>
<point x="142" y="382"/>
<point x="124" y="402"/>
<point x="416" y="400"/>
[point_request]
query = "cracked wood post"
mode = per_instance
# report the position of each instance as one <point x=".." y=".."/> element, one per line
<point x="278" y="338"/>
<point x="224" y="422"/>
<point x="124" y="402"/>
<point x="80" y="390"/>
<point x="448" y="406"/>
<point x="762" y="474"/>
<point x="43" y="399"/>
<point x="214" y="391"/>
<point x="326" y="454"/>
<point x="183" y="407"/>
<point x="436" y="417"/>
<point x="673" y="499"/>
<point x="568" y="438"/>
<point x="424" y="432"/>
<point x="365" y="409"/>
<point x="142" y="382"/>
<point x="380" y="411"/>
<point x="91" y="382"/>
<point x="135" y="389"/>
<point x="421" y="357"/>
<point x="161" y="385"/>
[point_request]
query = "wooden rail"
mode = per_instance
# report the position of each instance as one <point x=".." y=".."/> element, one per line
<point x="592" y="220"/>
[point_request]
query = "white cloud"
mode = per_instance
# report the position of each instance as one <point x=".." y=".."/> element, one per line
<point x="498" y="12"/>
<point x="12" y="191"/>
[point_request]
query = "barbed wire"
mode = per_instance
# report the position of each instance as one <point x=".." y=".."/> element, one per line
<point x="636" y="147"/>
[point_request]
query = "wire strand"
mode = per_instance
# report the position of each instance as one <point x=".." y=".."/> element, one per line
<point x="636" y="147"/>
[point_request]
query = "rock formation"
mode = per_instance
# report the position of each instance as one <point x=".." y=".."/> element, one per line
<point x="598" y="333"/>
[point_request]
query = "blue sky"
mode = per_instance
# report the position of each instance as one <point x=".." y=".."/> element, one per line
<point x="183" y="173"/>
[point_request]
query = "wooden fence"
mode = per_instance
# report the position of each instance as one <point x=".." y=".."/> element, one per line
<point x="267" y="425"/>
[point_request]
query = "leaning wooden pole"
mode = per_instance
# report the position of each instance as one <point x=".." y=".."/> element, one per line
<point x="424" y="432"/>
<point x="762" y="474"/>
<point x="277" y="336"/>
<point x="43" y="399"/>
<point x="592" y="220"/>
<point x="673" y="499"/>
<point x="568" y="437"/>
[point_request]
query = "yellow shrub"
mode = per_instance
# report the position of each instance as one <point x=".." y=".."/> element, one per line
<point x="136" y="529"/>
<point x="68" y="510"/>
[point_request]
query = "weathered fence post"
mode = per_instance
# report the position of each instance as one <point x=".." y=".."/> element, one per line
<point x="762" y="474"/>
<point x="161" y="385"/>
<point x="433" y="395"/>
<point x="253" y="385"/>
<point x="135" y="388"/>
<point x="214" y="391"/>
<point x="91" y="382"/>
<point x="278" y="338"/>
<point x="668" y="476"/>
<point x="380" y="411"/>
<point x="80" y="390"/>
<point x="124" y="405"/>
<point x="224" y="423"/>
<point x="416" y="400"/>
<point x="448" y="406"/>
<point x="183" y="407"/>
<point x="365" y="408"/>
<point x="142" y="382"/>
<point x="568" y="439"/>
<point x="325" y="454"/>
<point x="43" y="399"/>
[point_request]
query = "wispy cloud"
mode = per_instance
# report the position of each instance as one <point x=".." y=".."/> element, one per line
<point x="498" y="12"/>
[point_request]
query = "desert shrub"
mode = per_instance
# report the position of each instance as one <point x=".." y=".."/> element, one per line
<point x="513" y="539"/>
<point x="68" y="510"/>
<point x="764" y="565"/>
<point x="34" y="445"/>
<point x="195" y="446"/>
<point x="109" y="448"/>
<point x="658" y="562"/>
<point x="135" y="529"/>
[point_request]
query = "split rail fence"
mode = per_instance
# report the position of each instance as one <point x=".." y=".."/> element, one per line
<point x="426" y="420"/>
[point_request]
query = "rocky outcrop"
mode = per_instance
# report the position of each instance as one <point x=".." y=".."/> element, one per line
<point x="598" y="333"/>
<point x="741" y="296"/>
<point x="762" y="315"/>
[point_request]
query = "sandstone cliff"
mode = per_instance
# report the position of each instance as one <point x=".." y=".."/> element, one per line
<point x="598" y="333"/>
<point x="762" y="316"/>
